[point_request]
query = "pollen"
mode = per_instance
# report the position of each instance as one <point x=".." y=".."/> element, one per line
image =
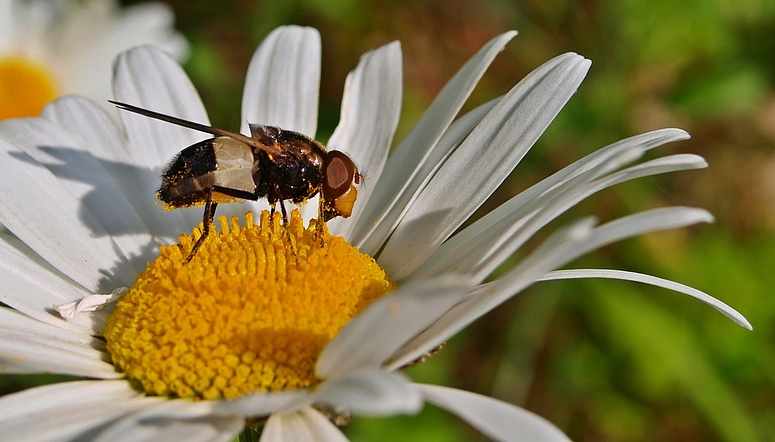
<point x="25" y="87"/>
<point x="251" y="311"/>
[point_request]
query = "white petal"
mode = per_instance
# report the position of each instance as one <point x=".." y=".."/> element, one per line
<point x="283" y="81"/>
<point x="92" y="33"/>
<point x="33" y="22"/>
<point x="638" y="224"/>
<point x="387" y="323"/>
<point x="482" y="162"/>
<point x="717" y="304"/>
<point x="100" y="135"/>
<point x="548" y="256"/>
<point x="418" y="153"/>
<point x="264" y="404"/>
<point x="91" y="303"/>
<point x="52" y="222"/>
<point x="151" y="79"/>
<point x="8" y="22"/>
<point x="500" y="241"/>
<point x="85" y="177"/>
<point x="645" y="141"/>
<point x="451" y="139"/>
<point x="66" y="411"/>
<point x="148" y="78"/>
<point x="305" y="425"/>
<point x="497" y="419"/>
<point x="600" y="158"/>
<point x="92" y="125"/>
<point x="370" y="392"/>
<point x="370" y="110"/>
<point x="32" y="286"/>
<point x="472" y="250"/>
<point x="24" y="352"/>
<point x="13" y="320"/>
<point x="561" y="248"/>
<point x="174" y="420"/>
<point x="154" y="23"/>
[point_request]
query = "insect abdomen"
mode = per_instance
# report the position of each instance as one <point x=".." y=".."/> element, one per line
<point x="187" y="176"/>
<point x="220" y="161"/>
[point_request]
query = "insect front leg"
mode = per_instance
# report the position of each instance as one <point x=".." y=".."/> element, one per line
<point x="207" y="219"/>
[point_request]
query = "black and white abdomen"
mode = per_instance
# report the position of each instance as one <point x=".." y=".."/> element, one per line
<point x="217" y="162"/>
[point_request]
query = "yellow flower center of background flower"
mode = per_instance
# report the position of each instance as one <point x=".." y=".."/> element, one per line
<point x="250" y="312"/>
<point x="25" y="87"/>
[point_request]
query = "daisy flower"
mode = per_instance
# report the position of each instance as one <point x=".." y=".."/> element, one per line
<point x="266" y="326"/>
<point x="54" y="48"/>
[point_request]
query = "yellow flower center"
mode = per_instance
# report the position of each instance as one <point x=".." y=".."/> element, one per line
<point x="25" y="87"/>
<point x="251" y="312"/>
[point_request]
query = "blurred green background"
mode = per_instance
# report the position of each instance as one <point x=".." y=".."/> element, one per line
<point x="603" y="360"/>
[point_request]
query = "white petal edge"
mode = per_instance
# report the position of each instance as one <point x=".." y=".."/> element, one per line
<point x="717" y="304"/>
<point x="305" y="425"/>
<point x="174" y="420"/>
<point x="67" y="410"/>
<point x="370" y="392"/>
<point x="498" y="420"/>
<point x="371" y="106"/>
<point x="388" y="323"/>
<point x="282" y="85"/>
<point x="418" y="148"/>
<point x="484" y="159"/>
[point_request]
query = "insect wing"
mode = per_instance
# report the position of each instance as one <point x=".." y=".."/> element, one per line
<point x="235" y="164"/>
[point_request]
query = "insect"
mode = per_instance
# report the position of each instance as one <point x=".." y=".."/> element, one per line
<point x="272" y="163"/>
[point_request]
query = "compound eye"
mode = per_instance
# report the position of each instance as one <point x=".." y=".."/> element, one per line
<point x="338" y="174"/>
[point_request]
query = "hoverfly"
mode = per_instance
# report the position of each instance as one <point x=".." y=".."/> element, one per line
<point x="272" y="163"/>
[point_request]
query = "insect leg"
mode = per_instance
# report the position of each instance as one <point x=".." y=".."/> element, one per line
<point x="287" y="231"/>
<point x="207" y="219"/>
<point x="285" y="214"/>
<point x="241" y="194"/>
<point x="319" y="222"/>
